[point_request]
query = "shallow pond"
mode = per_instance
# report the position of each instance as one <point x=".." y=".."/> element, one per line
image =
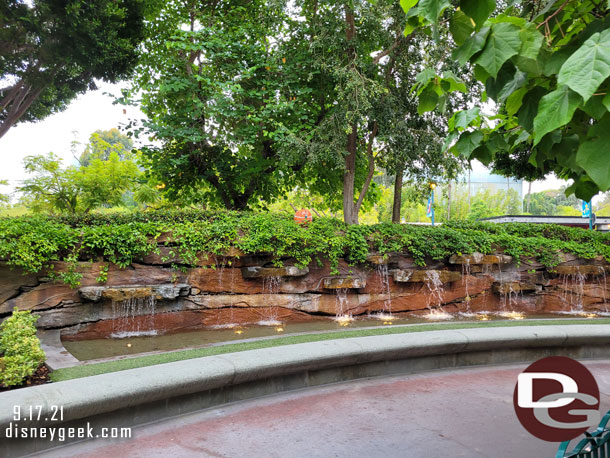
<point x="133" y="344"/>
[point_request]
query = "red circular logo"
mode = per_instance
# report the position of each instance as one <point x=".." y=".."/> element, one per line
<point x="557" y="399"/>
<point x="303" y="216"/>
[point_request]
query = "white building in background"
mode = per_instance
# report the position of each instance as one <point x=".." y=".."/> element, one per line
<point x="476" y="180"/>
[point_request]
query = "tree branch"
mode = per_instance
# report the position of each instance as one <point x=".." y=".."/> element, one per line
<point x="382" y="54"/>
<point x="371" y="172"/>
<point x="555" y="13"/>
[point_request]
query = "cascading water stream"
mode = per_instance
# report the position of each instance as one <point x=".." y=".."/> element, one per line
<point x="603" y="285"/>
<point x="271" y="286"/>
<point x="384" y="280"/>
<point x="573" y="286"/>
<point x="510" y="297"/>
<point x="436" y="294"/>
<point x="223" y="322"/>
<point x="342" y="313"/>
<point x="466" y="282"/>
<point x="133" y="317"/>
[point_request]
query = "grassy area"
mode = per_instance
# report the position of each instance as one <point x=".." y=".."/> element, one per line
<point x="150" y="360"/>
<point x="14" y="211"/>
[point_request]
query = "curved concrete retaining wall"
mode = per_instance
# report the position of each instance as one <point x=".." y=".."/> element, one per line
<point x="138" y="396"/>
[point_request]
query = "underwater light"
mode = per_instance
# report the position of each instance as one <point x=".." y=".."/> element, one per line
<point x="344" y="320"/>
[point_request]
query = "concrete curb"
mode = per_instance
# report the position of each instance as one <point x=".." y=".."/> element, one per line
<point x="142" y="395"/>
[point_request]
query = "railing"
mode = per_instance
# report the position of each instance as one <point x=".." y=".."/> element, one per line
<point x="594" y="445"/>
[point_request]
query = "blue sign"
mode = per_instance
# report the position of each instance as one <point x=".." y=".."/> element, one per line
<point x="430" y="208"/>
<point x="586" y="209"/>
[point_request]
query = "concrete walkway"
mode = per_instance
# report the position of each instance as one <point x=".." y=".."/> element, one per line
<point x="459" y="412"/>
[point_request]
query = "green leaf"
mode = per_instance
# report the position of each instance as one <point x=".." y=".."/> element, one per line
<point x="407" y="5"/>
<point x="468" y="142"/>
<point x="481" y="74"/>
<point x="461" y="27"/>
<point x="531" y="41"/>
<point x="408" y="29"/>
<point x="588" y="67"/>
<point x="594" y="156"/>
<point x="595" y="107"/>
<point x="503" y="43"/>
<point x="521" y="138"/>
<point x="483" y="154"/>
<point x="427" y="101"/>
<point x="478" y="10"/>
<point x="565" y="152"/>
<point x="550" y="139"/>
<point x="517" y="82"/>
<point x="496" y="142"/>
<point x="462" y="119"/>
<point x="473" y="45"/>
<point x="555" y="110"/>
<point x="529" y="109"/>
<point x="583" y="188"/>
<point x="455" y="83"/>
<point x="493" y="86"/>
<point x="514" y="101"/>
<point x="425" y="76"/>
<point x="432" y="9"/>
<point x="449" y="140"/>
<point x="556" y="61"/>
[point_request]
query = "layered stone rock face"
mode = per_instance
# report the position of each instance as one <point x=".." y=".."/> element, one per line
<point x="248" y="289"/>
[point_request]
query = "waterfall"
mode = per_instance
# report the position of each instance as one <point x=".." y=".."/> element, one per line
<point x="510" y="297"/>
<point x="271" y="286"/>
<point x="342" y="314"/>
<point x="466" y="282"/>
<point x="384" y="280"/>
<point x="435" y="296"/>
<point x="573" y="290"/>
<point x="603" y="287"/>
<point x="223" y="322"/>
<point x="133" y="317"/>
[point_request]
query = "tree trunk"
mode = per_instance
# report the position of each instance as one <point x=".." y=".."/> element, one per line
<point x="16" y="103"/>
<point x="350" y="213"/>
<point x="529" y="196"/>
<point x="397" y="194"/>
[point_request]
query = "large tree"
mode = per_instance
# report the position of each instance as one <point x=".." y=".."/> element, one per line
<point x="249" y="99"/>
<point x="54" y="188"/>
<point x="363" y="70"/>
<point x="53" y="50"/>
<point x="102" y="143"/>
<point x="220" y="94"/>
<point x="546" y="65"/>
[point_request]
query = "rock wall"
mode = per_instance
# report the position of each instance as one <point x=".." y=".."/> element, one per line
<point x="248" y="289"/>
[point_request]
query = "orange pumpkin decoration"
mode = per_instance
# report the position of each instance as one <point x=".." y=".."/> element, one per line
<point x="303" y="216"/>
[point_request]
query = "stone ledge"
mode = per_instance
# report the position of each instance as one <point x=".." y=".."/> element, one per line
<point x="127" y="389"/>
<point x="168" y="291"/>
<point x="265" y="272"/>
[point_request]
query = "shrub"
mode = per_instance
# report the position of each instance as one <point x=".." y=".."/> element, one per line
<point x="20" y="348"/>
<point x="36" y="244"/>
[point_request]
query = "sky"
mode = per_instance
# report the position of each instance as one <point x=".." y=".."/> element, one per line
<point x="90" y="112"/>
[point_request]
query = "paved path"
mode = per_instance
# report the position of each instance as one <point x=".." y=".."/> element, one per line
<point x="453" y="413"/>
